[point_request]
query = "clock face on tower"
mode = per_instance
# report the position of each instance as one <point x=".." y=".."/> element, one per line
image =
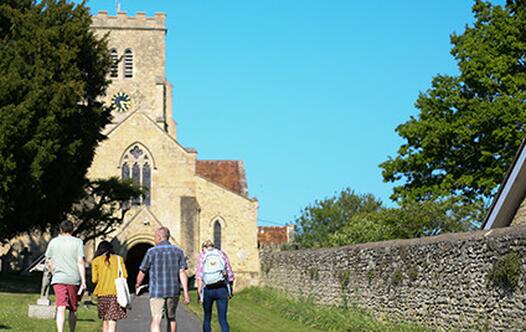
<point x="121" y="101"/>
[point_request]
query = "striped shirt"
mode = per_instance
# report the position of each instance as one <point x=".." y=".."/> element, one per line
<point x="163" y="263"/>
<point x="200" y="266"/>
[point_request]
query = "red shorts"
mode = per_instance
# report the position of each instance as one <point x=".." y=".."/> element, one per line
<point x="66" y="296"/>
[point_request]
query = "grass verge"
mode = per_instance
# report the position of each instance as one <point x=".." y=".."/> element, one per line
<point x="263" y="309"/>
<point x="246" y="315"/>
<point x="13" y="315"/>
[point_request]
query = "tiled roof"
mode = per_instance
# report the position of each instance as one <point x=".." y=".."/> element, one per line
<point x="272" y="235"/>
<point x="227" y="173"/>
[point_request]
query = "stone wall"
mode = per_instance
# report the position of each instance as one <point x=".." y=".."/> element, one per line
<point x="440" y="282"/>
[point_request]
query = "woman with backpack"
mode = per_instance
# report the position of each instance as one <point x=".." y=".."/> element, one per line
<point x="214" y="284"/>
<point x="105" y="268"/>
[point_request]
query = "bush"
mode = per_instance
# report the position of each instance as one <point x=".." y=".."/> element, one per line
<point x="506" y="272"/>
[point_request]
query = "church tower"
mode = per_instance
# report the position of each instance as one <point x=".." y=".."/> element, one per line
<point x="138" y="74"/>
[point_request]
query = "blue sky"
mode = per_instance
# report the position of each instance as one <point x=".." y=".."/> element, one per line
<point x="307" y="93"/>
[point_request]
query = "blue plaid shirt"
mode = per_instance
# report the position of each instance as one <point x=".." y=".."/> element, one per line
<point x="163" y="263"/>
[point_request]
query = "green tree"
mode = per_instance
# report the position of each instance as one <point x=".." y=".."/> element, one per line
<point x="319" y="221"/>
<point x="470" y="126"/>
<point x="412" y="219"/>
<point x="52" y="73"/>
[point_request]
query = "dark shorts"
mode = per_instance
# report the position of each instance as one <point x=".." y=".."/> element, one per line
<point x="109" y="309"/>
<point x="66" y="296"/>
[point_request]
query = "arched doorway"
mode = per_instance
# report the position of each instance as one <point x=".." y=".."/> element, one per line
<point x="133" y="262"/>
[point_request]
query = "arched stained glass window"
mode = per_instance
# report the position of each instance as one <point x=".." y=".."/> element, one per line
<point x="146" y="182"/>
<point x="128" y="63"/>
<point x="217" y="234"/>
<point x="137" y="166"/>
<point x="114" y="68"/>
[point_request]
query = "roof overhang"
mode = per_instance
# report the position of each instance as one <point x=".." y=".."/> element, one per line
<point x="510" y="195"/>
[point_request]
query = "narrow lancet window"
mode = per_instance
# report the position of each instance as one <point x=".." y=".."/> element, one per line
<point x="125" y="171"/>
<point x="146" y="183"/>
<point x="136" y="177"/>
<point x="217" y="234"/>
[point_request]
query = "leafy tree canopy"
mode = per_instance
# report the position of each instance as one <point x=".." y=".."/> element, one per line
<point x="470" y="126"/>
<point x="412" y="219"/>
<point x="319" y="221"/>
<point x="52" y="73"/>
<point x="350" y="218"/>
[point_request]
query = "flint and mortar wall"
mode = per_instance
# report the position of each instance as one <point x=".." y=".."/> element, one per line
<point x="439" y="282"/>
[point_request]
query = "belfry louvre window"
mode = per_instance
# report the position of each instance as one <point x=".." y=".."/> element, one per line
<point x="114" y="68"/>
<point x="136" y="166"/>
<point x="128" y="63"/>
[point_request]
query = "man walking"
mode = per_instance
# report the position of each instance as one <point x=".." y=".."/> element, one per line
<point x="166" y="265"/>
<point x="65" y="259"/>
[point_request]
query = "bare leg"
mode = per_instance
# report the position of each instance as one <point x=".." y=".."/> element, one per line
<point x="112" y="326"/>
<point x="104" y="326"/>
<point x="61" y="317"/>
<point x="72" y="321"/>
<point x="172" y="326"/>
<point x="155" y="325"/>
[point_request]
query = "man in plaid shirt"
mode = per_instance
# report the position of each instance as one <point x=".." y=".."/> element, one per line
<point x="167" y="267"/>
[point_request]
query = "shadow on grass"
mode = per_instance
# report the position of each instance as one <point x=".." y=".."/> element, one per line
<point x="4" y="327"/>
<point x="18" y="283"/>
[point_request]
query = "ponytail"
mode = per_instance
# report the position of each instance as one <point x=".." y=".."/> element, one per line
<point x="108" y="255"/>
<point x="105" y="247"/>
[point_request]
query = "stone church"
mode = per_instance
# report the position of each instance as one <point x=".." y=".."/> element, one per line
<point x="195" y="199"/>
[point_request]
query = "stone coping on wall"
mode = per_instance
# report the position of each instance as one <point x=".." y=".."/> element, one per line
<point x="449" y="237"/>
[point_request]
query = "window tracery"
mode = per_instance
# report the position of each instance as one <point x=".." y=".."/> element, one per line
<point x="140" y="172"/>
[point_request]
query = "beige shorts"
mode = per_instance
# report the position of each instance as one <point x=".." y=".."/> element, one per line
<point x="164" y="306"/>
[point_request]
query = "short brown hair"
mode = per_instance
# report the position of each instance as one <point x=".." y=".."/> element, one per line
<point x="66" y="227"/>
<point x="164" y="233"/>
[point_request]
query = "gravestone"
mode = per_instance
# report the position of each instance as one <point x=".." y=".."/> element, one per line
<point x="43" y="309"/>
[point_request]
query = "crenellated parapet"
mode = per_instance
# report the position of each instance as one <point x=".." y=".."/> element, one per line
<point x="123" y="21"/>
